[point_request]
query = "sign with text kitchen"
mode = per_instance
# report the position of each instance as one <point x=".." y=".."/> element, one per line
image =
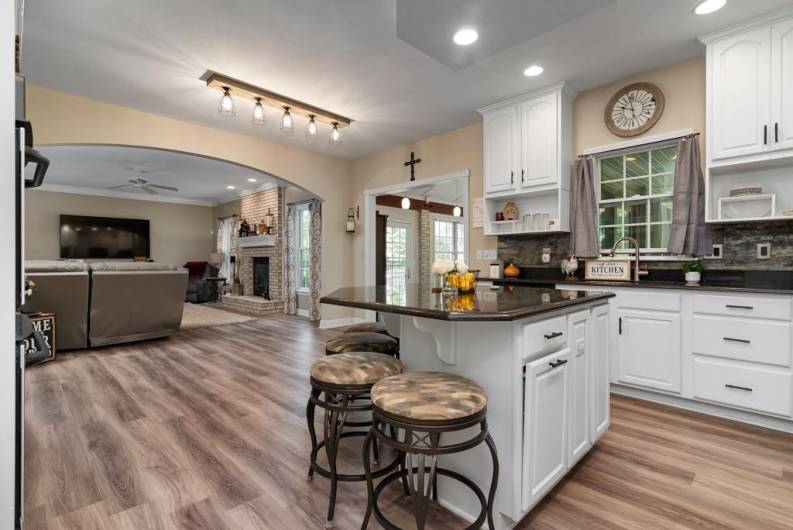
<point x="608" y="270"/>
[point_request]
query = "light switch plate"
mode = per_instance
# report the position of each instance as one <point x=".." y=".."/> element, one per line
<point x="479" y="254"/>
<point x="489" y="254"/>
<point x="764" y="251"/>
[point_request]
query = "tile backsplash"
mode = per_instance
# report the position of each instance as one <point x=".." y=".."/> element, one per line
<point x="740" y="247"/>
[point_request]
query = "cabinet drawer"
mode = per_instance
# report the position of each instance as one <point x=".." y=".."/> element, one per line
<point x="546" y="336"/>
<point x="651" y="300"/>
<point x="743" y="306"/>
<point x="761" y="341"/>
<point x="760" y="389"/>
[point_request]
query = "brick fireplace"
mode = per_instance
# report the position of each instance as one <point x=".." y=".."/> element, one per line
<point x="260" y="295"/>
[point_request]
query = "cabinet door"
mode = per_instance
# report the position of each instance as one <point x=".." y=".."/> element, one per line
<point x="580" y="387"/>
<point x="740" y="84"/>
<point x="545" y="425"/>
<point x="539" y="141"/>
<point x="782" y="84"/>
<point x="601" y="333"/>
<point x="501" y="131"/>
<point x="649" y="349"/>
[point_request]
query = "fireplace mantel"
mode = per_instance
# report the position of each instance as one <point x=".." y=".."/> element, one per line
<point x="256" y="241"/>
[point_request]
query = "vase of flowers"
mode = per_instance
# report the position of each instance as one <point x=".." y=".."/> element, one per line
<point x="454" y="275"/>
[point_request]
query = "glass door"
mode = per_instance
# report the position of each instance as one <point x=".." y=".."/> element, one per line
<point x="397" y="253"/>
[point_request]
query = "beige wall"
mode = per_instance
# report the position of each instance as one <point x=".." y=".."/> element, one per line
<point x="226" y="209"/>
<point x="64" y="118"/>
<point x="178" y="232"/>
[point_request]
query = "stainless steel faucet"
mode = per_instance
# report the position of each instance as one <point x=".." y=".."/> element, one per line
<point x="637" y="272"/>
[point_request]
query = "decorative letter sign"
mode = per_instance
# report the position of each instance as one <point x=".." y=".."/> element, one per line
<point x="609" y="270"/>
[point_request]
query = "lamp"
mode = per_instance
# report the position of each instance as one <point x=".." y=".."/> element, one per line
<point x="405" y="203"/>
<point x="259" y="116"/>
<point x="287" y="123"/>
<point x="312" y="131"/>
<point x="335" y="134"/>
<point x="216" y="259"/>
<point x="350" y="220"/>
<point x="226" y="105"/>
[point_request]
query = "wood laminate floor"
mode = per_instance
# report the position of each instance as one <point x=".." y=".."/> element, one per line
<point x="206" y="430"/>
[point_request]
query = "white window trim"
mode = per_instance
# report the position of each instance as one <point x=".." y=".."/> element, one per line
<point x="449" y="218"/>
<point x="627" y="148"/>
<point x="299" y="290"/>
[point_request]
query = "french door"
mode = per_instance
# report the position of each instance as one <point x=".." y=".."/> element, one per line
<point x="397" y="260"/>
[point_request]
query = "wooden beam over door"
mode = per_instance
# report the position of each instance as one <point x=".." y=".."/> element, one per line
<point x="395" y="201"/>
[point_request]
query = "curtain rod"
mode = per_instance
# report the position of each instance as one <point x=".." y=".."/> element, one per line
<point x="228" y="217"/>
<point x="650" y="141"/>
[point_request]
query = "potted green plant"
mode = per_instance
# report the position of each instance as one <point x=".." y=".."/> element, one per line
<point x="693" y="271"/>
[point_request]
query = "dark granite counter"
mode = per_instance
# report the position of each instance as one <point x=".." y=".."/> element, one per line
<point x="509" y="303"/>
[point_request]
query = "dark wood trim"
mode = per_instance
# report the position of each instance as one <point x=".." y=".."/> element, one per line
<point x="395" y="201"/>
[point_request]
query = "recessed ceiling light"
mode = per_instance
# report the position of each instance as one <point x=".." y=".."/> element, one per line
<point x="709" y="6"/>
<point x="251" y="180"/>
<point x="533" y="70"/>
<point x="466" y="36"/>
<point x="231" y="187"/>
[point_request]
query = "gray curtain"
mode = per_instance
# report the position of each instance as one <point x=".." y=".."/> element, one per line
<point x="689" y="234"/>
<point x="315" y="228"/>
<point x="584" y="235"/>
<point x="290" y="263"/>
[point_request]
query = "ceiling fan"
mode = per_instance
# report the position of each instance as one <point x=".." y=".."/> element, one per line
<point x="142" y="184"/>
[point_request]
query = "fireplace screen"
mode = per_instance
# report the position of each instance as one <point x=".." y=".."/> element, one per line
<point x="261" y="277"/>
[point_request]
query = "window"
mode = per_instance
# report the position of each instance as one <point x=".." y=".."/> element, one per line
<point x="448" y="239"/>
<point x="303" y="220"/>
<point x="636" y="198"/>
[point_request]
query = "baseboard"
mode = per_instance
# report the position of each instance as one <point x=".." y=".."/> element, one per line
<point x="759" y="420"/>
<point x="302" y="313"/>
<point x="340" y="322"/>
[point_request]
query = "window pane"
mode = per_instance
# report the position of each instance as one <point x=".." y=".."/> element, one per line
<point x="637" y="232"/>
<point x="637" y="165"/>
<point x="663" y="183"/>
<point x="660" y="210"/>
<point x="659" y="235"/>
<point x="611" y="168"/>
<point x="611" y="190"/>
<point x="608" y="236"/>
<point x="637" y="187"/>
<point x="610" y="214"/>
<point x="635" y="212"/>
<point x="664" y="160"/>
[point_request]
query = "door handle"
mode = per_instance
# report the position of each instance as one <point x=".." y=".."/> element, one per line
<point x="620" y="326"/>
<point x="776" y="132"/>
<point x="737" y="387"/>
<point x="731" y="306"/>
<point x="549" y="336"/>
<point x="522" y="173"/>
<point x="742" y="341"/>
<point x="512" y="177"/>
<point x="765" y="134"/>
<point x="557" y="363"/>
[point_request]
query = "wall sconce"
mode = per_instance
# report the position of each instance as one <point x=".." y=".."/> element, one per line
<point x="350" y="220"/>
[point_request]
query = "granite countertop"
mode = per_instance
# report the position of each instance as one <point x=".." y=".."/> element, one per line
<point x="510" y="303"/>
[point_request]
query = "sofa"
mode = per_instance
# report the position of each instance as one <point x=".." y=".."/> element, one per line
<point x="199" y="290"/>
<point x="61" y="288"/>
<point x="107" y="303"/>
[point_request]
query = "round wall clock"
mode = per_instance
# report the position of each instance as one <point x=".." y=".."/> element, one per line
<point x="634" y="109"/>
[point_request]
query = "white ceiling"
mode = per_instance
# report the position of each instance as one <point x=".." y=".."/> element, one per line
<point x="94" y="169"/>
<point x="346" y="57"/>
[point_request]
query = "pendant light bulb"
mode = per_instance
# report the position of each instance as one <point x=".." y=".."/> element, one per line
<point x="259" y="117"/>
<point x="335" y="134"/>
<point x="287" y="122"/>
<point x="405" y="203"/>
<point x="226" y="105"/>
<point x="312" y="131"/>
<point x="457" y="211"/>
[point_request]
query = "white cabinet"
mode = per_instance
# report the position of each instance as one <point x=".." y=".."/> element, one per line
<point x="539" y="125"/>
<point x="501" y="149"/>
<point x="600" y="348"/>
<point x="649" y="349"/>
<point x="581" y="391"/>
<point x="750" y="92"/>
<point x="545" y="425"/>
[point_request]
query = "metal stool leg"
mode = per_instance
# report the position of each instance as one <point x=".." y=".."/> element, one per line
<point x="494" y="479"/>
<point x="310" y="409"/>
<point x="367" y="468"/>
<point x="333" y="427"/>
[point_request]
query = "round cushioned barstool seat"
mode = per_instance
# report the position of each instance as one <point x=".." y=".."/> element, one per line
<point x="361" y="342"/>
<point x="368" y="327"/>
<point x="352" y="369"/>
<point x="429" y="396"/>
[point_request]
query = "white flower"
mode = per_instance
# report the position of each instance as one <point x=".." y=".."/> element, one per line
<point x="442" y="266"/>
<point x="462" y="268"/>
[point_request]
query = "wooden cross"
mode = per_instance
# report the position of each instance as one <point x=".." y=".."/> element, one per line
<point x="412" y="163"/>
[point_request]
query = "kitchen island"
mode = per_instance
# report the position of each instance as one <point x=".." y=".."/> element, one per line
<point x="541" y="355"/>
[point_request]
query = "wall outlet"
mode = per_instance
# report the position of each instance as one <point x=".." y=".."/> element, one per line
<point x="764" y="251"/>
<point x="717" y="253"/>
<point x="489" y="254"/>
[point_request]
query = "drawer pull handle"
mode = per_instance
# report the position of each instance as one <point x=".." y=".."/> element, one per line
<point x="731" y="306"/>
<point x="557" y="363"/>
<point x="549" y="336"/>
<point x="736" y="387"/>
<point x="742" y="341"/>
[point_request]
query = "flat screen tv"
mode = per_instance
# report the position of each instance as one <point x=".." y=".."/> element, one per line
<point x="85" y="237"/>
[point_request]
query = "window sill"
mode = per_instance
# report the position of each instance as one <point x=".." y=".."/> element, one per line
<point x="303" y="291"/>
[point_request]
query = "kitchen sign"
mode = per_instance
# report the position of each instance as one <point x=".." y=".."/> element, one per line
<point x="608" y="270"/>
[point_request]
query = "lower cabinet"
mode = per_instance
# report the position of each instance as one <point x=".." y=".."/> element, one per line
<point x="580" y="386"/>
<point x="600" y="348"/>
<point x="649" y="349"/>
<point x="545" y="428"/>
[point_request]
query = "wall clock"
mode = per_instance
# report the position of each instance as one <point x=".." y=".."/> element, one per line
<point x="634" y="109"/>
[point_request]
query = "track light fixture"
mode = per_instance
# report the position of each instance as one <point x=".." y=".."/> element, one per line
<point x="226" y="105"/>
<point x="335" y="134"/>
<point x="312" y="131"/>
<point x="259" y="117"/>
<point x="287" y="123"/>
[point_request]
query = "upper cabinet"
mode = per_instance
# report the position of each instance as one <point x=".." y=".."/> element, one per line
<point x="750" y="93"/>
<point x="527" y="160"/>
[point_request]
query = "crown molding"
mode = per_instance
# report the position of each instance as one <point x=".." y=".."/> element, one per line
<point x="113" y="194"/>
<point x="750" y="24"/>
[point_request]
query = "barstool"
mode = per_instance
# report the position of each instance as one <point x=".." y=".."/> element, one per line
<point x="345" y="380"/>
<point x="360" y="341"/>
<point x="411" y="412"/>
<point x="368" y="327"/>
